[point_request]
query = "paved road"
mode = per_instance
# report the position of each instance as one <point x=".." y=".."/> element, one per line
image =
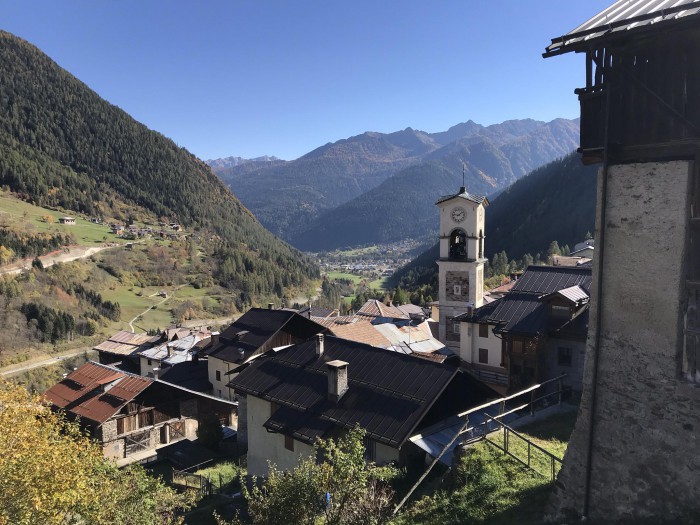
<point x="29" y="365"/>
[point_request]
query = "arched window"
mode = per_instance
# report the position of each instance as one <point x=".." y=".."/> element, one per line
<point x="481" y="244"/>
<point x="458" y="245"/>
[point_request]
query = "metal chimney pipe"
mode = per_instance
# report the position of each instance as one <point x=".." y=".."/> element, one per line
<point x="319" y="345"/>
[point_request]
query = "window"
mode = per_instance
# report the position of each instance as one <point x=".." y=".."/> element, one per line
<point x="484" y="331"/>
<point x="149" y="362"/>
<point x="564" y="356"/>
<point x="457" y="289"/>
<point x="484" y="356"/>
<point x="455" y="327"/>
<point x="289" y="443"/>
<point x="458" y="245"/>
<point x="218" y="375"/>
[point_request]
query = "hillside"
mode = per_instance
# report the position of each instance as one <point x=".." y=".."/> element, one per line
<point x="300" y="200"/>
<point x="286" y="195"/>
<point x="554" y="202"/>
<point x="63" y="146"/>
<point x="403" y="206"/>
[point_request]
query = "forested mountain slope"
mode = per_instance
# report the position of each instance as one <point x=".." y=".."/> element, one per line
<point x="403" y="206"/>
<point x="554" y="202"/>
<point x="300" y="200"/>
<point x="61" y="145"/>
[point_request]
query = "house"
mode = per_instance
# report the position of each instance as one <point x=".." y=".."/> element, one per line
<point x="124" y="346"/>
<point x="537" y="331"/>
<point x="255" y="332"/>
<point x="634" y="454"/>
<point x="398" y="335"/>
<point x="117" y="229"/>
<point x="69" y="221"/>
<point x="325" y="386"/>
<point x="127" y="414"/>
<point x="172" y="352"/>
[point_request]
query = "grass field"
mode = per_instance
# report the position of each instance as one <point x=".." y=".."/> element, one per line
<point x="379" y="284"/>
<point x="488" y="487"/>
<point x="356" y="279"/>
<point x="13" y="210"/>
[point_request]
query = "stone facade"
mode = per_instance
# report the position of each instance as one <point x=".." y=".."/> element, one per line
<point x="457" y="286"/>
<point x="645" y="455"/>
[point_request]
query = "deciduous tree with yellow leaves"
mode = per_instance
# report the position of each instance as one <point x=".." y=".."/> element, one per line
<point x="52" y="473"/>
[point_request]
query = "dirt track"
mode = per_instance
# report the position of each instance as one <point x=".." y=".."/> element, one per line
<point x="71" y="253"/>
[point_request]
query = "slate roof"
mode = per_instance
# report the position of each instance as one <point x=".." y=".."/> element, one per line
<point x="388" y="395"/>
<point x="625" y="17"/>
<point x="464" y="194"/>
<point x="256" y="327"/>
<point x="96" y="392"/>
<point x="524" y="312"/>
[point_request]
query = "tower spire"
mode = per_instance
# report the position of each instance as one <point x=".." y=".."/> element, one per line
<point x="463" y="189"/>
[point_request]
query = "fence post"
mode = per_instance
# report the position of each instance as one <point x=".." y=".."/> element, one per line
<point x="528" y="454"/>
<point x="532" y="403"/>
<point x="560" y="390"/>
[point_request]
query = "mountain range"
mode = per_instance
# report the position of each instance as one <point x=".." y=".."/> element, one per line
<point x="553" y="203"/>
<point x="63" y="146"/>
<point x="380" y="187"/>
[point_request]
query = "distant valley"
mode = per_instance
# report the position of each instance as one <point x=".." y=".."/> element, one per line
<point x="380" y="187"/>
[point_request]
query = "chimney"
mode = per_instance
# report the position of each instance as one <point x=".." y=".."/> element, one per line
<point x="170" y="349"/>
<point x="214" y="339"/>
<point x="319" y="345"/>
<point x="156" y="373"/>
<point x="337" y="379"/>
<point x="470" y="309"/>
<point x="270" y="306"/>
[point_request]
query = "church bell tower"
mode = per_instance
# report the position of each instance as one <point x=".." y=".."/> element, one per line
<point x="461" y="263"/>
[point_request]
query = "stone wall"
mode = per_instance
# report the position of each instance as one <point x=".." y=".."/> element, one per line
<point x="646" y="418"/>
<point x="457" y="282"/>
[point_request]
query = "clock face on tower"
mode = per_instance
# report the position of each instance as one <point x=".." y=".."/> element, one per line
<point x="458" y="214"/>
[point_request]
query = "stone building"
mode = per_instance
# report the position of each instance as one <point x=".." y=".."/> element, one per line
<point x="635" y="450"/>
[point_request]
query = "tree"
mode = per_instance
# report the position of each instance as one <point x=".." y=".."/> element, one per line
<point x="53" y="473"/>
<point x="400" y="297"/>
<point x="343" y="489"/>
<point x="554" y="249"/>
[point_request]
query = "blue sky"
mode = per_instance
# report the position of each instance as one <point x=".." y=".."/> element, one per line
<point x="257" y="77"/>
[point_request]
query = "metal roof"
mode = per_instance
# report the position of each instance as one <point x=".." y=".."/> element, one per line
<point x="464" y="194"/>
<point x="96" y="392"/>
<point x="388" y="392"/>
<point x="180" y="349"/>
<point x="374" y="308"/>
<point x="257" y="326"/>
<point x="126" y="343"/>
<point x="522" y="310"/>
<point x="575" y="294"/>
<point x="621" y="18"/>
<point x="362" y="332"/>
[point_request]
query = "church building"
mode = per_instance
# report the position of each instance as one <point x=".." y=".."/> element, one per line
<point x="461" y="263"/>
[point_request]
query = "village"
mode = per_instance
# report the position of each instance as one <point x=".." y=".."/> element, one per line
<point x="607" y="334"/>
